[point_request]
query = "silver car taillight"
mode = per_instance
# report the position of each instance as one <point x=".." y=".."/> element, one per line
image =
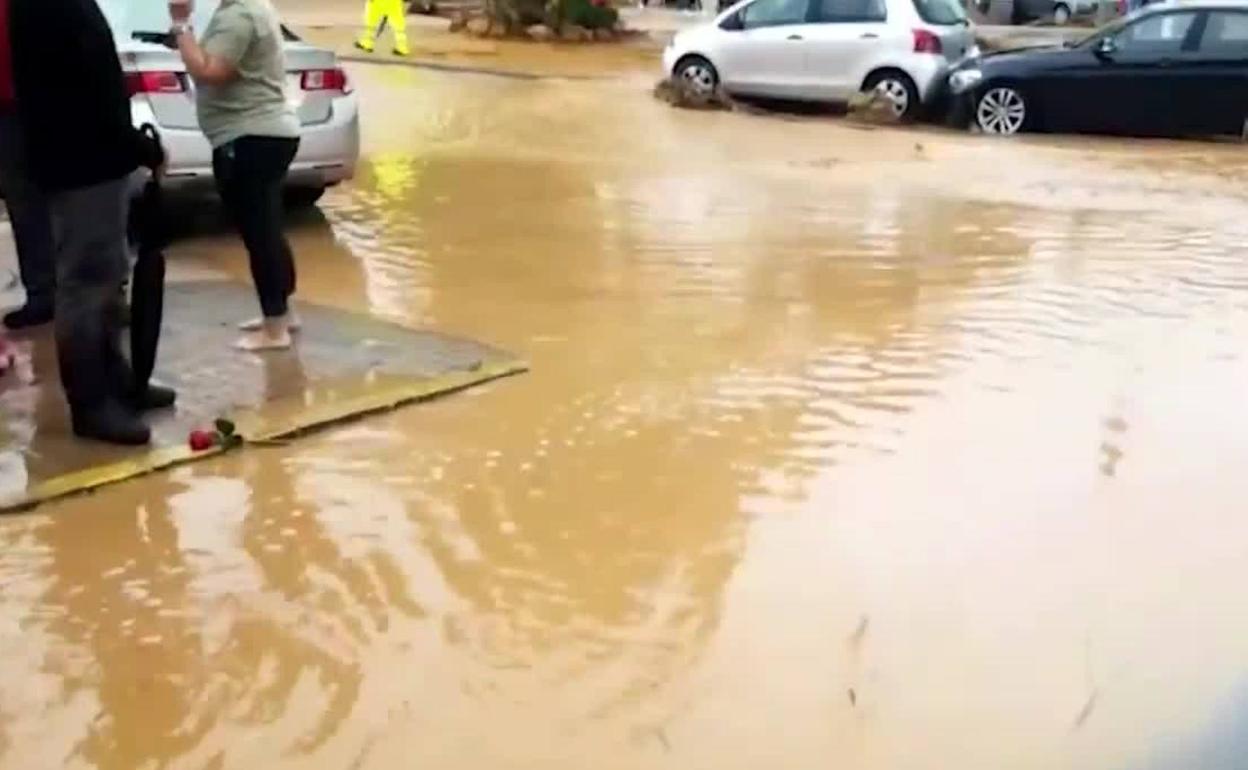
<point x="325" y="80"/>
<point x="154" y="83"/>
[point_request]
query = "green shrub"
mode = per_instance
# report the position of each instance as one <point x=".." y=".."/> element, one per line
<point x="515" y="15"/>
<point x="589" y="14"/>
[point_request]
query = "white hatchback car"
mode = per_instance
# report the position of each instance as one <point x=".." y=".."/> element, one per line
<point x="826" y="50"/>
<point x="163" y="94"/>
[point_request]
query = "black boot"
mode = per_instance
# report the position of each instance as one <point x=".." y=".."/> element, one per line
<point x="151" y="398"/>
<point x="29" y="315"/>
<point x="111" y="423"/>
<point x="144" y="397"/>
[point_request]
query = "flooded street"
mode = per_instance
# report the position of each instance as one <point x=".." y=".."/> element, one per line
<point x="841" y="448"/>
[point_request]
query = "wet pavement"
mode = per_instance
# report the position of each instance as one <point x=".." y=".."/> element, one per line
<point x="841" y="448"/>
<point x="346" y="366"/>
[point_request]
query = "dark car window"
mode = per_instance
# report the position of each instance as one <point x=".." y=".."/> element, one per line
<point x="1226" y="35"/>
<point x="849" y="11"/>
<point x="774" y="13"/>
<point x="943" y="12"/>
<point x="1156" y="35"/>
<point x="1110" y="30"/>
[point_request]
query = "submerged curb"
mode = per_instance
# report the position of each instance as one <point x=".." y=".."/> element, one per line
<point x="259" y="433"/>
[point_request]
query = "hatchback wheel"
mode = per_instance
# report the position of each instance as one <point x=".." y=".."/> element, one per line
<point x="698" y="75"/>
<point x="898" y="90"/>
<point x="1001" y="110"/>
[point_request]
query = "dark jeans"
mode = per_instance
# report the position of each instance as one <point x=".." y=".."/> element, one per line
<point x="92" y="264"/>
<point x="28" y="213"/>
<point x="250" y="173"/>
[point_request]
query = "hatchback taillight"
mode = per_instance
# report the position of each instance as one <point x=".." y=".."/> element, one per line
<point x="154" y="83"/>
<point x="325" y="80"/>
<point x="927" y="42"/>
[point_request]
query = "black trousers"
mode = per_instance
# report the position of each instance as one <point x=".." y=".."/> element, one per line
<point x="250" y="173"/>
<point x="28" y="211"/>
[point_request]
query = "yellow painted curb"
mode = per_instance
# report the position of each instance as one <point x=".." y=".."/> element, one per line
<point x="89" y="479"/>
<point x="257" y="430"/>
<point x="400" y="391"/>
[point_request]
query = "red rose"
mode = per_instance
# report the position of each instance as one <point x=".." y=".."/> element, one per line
<point x="202" y="440"/>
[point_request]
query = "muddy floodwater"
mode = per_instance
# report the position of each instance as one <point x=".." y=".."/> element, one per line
<point x="841" y="448"/>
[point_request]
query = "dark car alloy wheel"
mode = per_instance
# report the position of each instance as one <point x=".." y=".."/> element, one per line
<point x="1001" y="110"/>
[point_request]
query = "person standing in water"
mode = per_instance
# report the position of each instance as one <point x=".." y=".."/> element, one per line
<point x="81" y="149"/>
<point x="377" y="13"/>
<point x="27" y="205"/>
<point x="240" y="70"/>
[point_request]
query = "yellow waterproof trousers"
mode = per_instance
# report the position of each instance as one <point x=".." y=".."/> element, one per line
<point x="379" y="12"/>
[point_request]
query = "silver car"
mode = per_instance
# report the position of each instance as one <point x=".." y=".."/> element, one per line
<point x="164" y="95"/>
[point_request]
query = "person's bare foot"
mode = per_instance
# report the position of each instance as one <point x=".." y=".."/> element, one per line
<point x="257" y="342"/>
<point x="293" y="322"/>
<point x="272" y="334"/>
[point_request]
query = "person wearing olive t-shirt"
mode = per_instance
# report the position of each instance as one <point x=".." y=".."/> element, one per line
<point x="240" y="68"/>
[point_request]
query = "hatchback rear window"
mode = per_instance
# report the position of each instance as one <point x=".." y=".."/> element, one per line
<point x="946" y="12"/>
<point x="850" y="11"/>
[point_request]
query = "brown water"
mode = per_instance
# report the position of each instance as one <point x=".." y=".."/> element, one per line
<point x="841" y="448"/>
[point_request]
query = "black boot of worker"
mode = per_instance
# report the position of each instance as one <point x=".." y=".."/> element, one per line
<point x="111" y="423"/>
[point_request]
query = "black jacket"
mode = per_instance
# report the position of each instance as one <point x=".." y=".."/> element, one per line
<point x="71" y="95"/>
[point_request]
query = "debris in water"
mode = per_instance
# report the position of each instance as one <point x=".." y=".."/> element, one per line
<point x="1086" y="711"/>
<point x="678" y="93"/>
<point x="874" y="108"/>
<point x="861" y="631"/>
<point x="641" y="734"/>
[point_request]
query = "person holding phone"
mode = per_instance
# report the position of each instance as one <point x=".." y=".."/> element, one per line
<point x="240" y="70"/>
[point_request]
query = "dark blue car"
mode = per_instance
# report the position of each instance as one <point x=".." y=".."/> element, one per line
<point x="1173" y="69"/>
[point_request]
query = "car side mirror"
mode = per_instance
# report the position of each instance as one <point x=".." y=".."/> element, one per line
<point x="734" y="22"/>
<point x="1106" y="48"/>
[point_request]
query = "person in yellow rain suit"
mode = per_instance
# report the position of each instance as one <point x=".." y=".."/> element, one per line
<point x="376" y="14"/>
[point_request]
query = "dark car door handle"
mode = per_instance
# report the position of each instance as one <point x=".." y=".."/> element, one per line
<point x="868" y="36"/>
<point x="794" y="37"/>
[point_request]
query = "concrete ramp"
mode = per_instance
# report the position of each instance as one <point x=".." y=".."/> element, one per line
<point x="345" y="365"/>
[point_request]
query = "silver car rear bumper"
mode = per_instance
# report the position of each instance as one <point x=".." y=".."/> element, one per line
<point x="328" y="152"/>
